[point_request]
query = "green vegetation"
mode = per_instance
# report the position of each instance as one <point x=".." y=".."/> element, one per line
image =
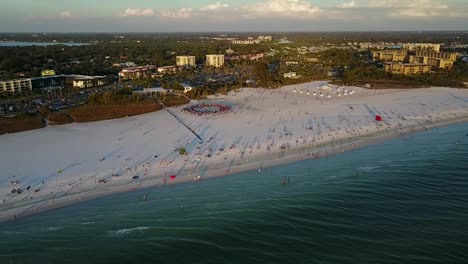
<point x="174" y="85"/>
<point x="122" y="96"/>
<point x="265" y="76"/>
<point x="338" y="57"/>
<point x="182" y="151"/>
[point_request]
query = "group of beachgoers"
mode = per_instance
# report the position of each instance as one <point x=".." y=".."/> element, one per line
<point x="21" y="189"/>
<point x="205" y="109"/>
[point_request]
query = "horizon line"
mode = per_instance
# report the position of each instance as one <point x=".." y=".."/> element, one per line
<point x="230" y="31"/>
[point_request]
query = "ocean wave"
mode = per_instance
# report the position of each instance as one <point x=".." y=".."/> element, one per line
<point x="127" y="231"/>
<point x="87" y="223"/>
<point x="51" y="228"/>
<point x="6" y="232"/>
<point x="368" y="168"/>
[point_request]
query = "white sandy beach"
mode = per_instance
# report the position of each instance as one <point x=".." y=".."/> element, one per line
<point x="69" y="163"/>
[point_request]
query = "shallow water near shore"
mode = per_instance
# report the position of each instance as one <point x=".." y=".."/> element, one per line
<point x="401" y="201"/>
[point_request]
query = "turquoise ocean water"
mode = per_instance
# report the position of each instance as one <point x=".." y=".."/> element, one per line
<point x="400" y="201"/>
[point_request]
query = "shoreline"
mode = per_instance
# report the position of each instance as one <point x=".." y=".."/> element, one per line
<point x="285" y="157"/>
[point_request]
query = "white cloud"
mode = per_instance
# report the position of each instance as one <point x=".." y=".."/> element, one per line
<point x="416" y="13"/>
<point x="351" y="4"/>
<point x="66" y="14"/>
<point x="215" y="6"/>
<point x="304" y="10"/>
<point x="294" y="8"/>
<point x="403" y="8"/>
<point x="181" y="13"/>
<point x="138" y="12"/>
<point x="418" y="8"/>
<point x="406" y="4"/>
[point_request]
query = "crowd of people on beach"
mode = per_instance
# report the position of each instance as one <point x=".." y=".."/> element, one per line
<point x="205" y="109"/>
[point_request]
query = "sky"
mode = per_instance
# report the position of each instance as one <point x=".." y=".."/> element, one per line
<point x="231" y="15"/>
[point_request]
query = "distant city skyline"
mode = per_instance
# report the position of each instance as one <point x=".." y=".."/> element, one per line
<point x="233" y="15"/>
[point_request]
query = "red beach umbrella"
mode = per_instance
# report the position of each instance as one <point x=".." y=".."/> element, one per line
<point x="378" y="118"/>
<point x="172" y="177"/>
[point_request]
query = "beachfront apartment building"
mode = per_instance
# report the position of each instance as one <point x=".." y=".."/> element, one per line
<point x="421" y="46"/>
<point x="137" y="72"/>
<point x="185" y="61"/>
<point x="389" y="55"/>
<point x="407" y="68"/>
<point x="434" y="62"/>
<point x="438" y="55"/>
<point x="15" y="86"/>
<point x="438" y="60"/>
<point x="215" y="60"/>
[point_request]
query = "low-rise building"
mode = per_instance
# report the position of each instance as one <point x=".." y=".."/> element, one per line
<point x="167" y="69"/>
<point x="52" y="83"/>
<point x="434" y="62"/>
<point x="438" y="60"/>
<point x="129" y="64"/>
<point x="15" y="86"/>
<point x="230" y="51"/>
<point x="137" y="72"/>
<point x="438" y="55"/>
<point x="421" y="46"/>
<point x="290" y="75"/>
<point x="47" y="73"/>
<point x="265" y="38"/>
<point x="187" y="88"/>
<point x="313" y="60"/>
<point x="245" y="41"/>
<point x="49" y="82"/>
<point x="407" y="68"/>
<point x="83" y="81"/>
<point x="389" y="55"/>
<point x="185" y="61"/>
<point x="250" y="57"/>
<point x="215" y="60"/>
<point x="155" y="91"/>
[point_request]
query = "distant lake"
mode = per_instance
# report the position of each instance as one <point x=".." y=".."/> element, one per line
<point x="40" y="44"/>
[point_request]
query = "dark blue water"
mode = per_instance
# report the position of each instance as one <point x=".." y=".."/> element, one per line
<point x="401" y="201"/>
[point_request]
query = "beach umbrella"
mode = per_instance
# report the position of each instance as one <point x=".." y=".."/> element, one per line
<point x="172" y="177"/>
<point x="378" y="118"/>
